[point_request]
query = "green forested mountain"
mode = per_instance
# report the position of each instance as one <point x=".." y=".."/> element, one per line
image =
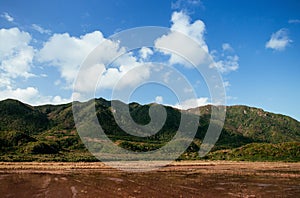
<point x="48" y="133"/>
<point x="257" y="124"/>
<point x="16" y="116"/>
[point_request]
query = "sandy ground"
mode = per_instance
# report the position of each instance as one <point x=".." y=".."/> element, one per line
<point x="179" y="179"/>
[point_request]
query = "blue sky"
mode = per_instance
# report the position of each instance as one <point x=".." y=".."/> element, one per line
<point x="255" y="45"/>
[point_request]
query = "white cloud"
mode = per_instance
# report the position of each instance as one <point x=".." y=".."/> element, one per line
<point x="182" y="23"/>
<point x="126" y="68"/>
<point x="197" y="53"/>
<point x="40" y="29"/>
<point x="295" y="21"/>
<point x="7" y="17"/>
<point x="59" y="100"/>
<point x="227" y="64"/>
<point x="31" y="95"/>
<point x="226" y="61"/>
<point x="191" y="103"/>
<point x="16" y="54"/>
<point x="129" y="74"/>
<point x="4" y="81"/>
<point x="279" y="40"/>
<point x="159" y="99"/>
<point x="180" y="4"/>
<point x="227" y="47"/>
<point x="19" y="64"/>
<point x="25" y="95"/>
<point x="145" y="52"/>
<point x="16" y="57"/>
<point x="67" y="53"/>
<point x="88" y="77"/>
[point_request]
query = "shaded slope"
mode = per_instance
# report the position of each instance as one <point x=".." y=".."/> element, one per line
<point x="17" y="116"/>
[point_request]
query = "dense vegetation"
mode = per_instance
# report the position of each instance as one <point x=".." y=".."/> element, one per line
<point x="48" y="133"/>
<point x="286" y="151"/>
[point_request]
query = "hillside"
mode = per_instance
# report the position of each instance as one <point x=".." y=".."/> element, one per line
<point x="16" y="116"/>
<point x="48" y="132"/>
<point x="256" y="124"/>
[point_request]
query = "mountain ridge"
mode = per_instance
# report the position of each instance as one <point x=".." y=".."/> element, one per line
<point x="26" y="131"/>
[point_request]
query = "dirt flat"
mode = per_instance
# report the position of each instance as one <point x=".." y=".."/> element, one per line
<point x="179" y="179"/>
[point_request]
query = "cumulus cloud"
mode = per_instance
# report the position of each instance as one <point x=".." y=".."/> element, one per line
<point x="181" y="24"/>
<point x="111" y="77"/>
<point x="191" y="103"/>
<point x="31" y="95"/>
<point x="127" y="75"/>
<point x="16" y="54"/>
<point x="279" y="40"/>
<point x="58" y="100"/>
<point x="26" y="95"/>
<point x="67" y="53"/>
<point x="125" y="67"/>
<point x="16" y="61"/>
<point x="7" y="17"/>
<point x="40" y="29"/>
<point x="145" y="52"/>
<point x="16" y="57"/>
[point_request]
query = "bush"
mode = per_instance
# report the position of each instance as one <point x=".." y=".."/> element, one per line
<point x="41" y="148"/>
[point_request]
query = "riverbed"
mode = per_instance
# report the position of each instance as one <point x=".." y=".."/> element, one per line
<point x="179" y="179"/>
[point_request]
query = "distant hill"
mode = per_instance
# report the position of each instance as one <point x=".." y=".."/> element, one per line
<point x="48" y="133"/>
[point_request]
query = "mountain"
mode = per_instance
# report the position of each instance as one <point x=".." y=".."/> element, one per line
<point x="16" y="116"/>
<point x="48" y="132"/>
<point x="256" y="123"/>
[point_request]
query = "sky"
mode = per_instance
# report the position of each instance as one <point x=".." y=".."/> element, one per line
<point x="255" y="47"/>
